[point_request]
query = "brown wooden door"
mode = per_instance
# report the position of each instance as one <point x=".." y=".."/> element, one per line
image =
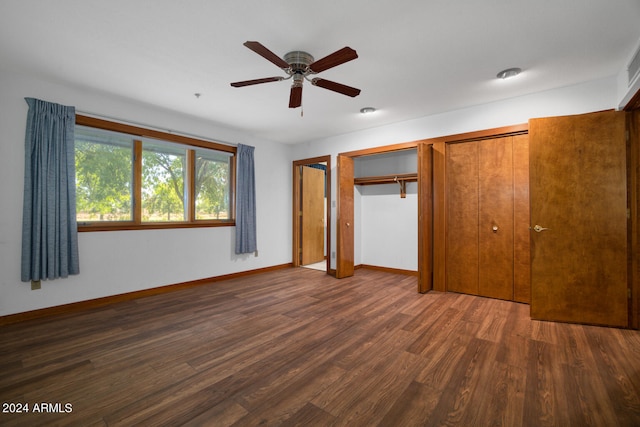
<point x="487" y="246"/>
<point x="344" y="233"/>
<point x="579" y="194"/>
<point x="312" y="215"/>
<point x="462" y="218"/>
<point x="495" y="218"/>
<point x="521" y="218"/>
<point x="425" y="218"/>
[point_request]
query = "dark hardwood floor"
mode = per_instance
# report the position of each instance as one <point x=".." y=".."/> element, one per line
<point x="298" y="347"/>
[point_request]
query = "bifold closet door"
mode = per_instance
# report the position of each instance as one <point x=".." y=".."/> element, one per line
<point x="345" y="246"/>
<point x="462" y="217"/>
<point x="487" y="246"/>
<point x="521" y="220"/>
<point x="495" y="218"/>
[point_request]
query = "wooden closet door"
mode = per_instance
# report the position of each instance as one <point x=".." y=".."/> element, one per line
<point x="425" y="218"/>
<point x="345" y="235"/>
<point x="462" y="218"/>
<point x="487" y="230"/>
<point x="521" y="220"/>
<point x="495" y="218"/>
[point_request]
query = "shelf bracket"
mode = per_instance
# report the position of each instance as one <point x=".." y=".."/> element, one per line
<point x="403" y="187"/>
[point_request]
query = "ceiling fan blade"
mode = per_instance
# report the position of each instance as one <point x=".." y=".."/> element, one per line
<point x="257" y="81"/>
<point x="341" y="56"/>
<point x="295" y="98"/>
<point x="258" y="48"/>
<point x="336" y="87"/>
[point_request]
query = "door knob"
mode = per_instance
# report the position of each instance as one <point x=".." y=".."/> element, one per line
<point x="538" y="229"/>
<point x="495" y="228"/>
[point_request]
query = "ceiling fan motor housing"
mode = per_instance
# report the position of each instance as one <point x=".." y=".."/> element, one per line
<point x="299" y="61"/>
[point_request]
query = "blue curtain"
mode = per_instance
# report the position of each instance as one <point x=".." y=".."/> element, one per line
<point x="245" y="201"/>
<point x="49" y="229"/>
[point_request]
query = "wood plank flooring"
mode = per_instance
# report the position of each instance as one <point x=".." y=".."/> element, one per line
<point x="296" y="347"/>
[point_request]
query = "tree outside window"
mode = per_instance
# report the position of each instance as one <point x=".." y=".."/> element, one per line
<point x="127" y="181"/>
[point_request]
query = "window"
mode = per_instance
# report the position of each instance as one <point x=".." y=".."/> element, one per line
<point x="163" y="179"/>
<point x="212" y="185"/>
<point x="104" y="179"/>
<point x="133" y="178"/>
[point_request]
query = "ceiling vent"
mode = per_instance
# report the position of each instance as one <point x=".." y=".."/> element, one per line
<point x="634" y="67"/>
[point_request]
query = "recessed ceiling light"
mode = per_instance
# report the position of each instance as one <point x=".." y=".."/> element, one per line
<point x="367" y="110"/>
<point x="508" y="73"/>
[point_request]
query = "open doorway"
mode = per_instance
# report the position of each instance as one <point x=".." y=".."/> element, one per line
<point x="311" y="213"/>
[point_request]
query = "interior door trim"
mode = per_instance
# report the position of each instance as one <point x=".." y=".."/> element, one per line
<point x="425" y="274"/>
<point x="296" y="203"/>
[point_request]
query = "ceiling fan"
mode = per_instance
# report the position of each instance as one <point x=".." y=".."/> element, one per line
<point x="299" y="66"/>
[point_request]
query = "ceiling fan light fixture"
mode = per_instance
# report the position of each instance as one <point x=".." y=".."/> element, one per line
<point x="508" y="73"/>
<point x="298" y="80"/>
<point x="367" y="110"/>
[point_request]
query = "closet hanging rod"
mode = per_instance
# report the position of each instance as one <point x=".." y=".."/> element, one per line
<point x="386" y="179"/>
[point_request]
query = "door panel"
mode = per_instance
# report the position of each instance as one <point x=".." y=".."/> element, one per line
<point x="495" y="218"/>
<point x="462" y="217"/>
<point x="345" y="235"/>
<point x="312" y="218"/>
<point x="425" y="218"/>
<point x="578" y="192"/>
<point x="521" y="247"/>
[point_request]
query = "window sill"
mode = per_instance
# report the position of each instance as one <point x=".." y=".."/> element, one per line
<point x="88" y="227"/>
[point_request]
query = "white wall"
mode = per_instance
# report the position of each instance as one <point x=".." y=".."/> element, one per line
<point x="583" y="98"/>
<point x="627" y="89"/>
<point x="389" y="226"/>
<point x="124" y="261"/>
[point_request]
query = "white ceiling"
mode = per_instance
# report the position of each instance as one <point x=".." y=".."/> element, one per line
<point x="416" y="57"/>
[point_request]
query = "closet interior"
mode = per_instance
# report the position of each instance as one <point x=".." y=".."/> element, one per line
<point x="386" y="203"/>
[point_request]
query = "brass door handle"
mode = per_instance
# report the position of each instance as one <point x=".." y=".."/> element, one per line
<point x="538" y="229"/>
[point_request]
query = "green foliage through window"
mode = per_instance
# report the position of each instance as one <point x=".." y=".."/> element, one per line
<point x="212" y="185"/>
<point x="104" y="180"/>
<point x="107" y="192"/>
<point x="163" y="179"/>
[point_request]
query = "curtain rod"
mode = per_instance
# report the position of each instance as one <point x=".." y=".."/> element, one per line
<point x="146" y="126"/>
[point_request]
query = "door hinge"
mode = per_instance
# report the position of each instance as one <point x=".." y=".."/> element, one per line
<point x="629" y="293"/>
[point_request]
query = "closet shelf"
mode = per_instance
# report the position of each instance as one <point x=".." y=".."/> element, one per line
<point x="386" y="179"/>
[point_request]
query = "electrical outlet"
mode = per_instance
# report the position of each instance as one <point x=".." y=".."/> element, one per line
<point x="256" y="253"/>
<point x="35" y="285"/>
